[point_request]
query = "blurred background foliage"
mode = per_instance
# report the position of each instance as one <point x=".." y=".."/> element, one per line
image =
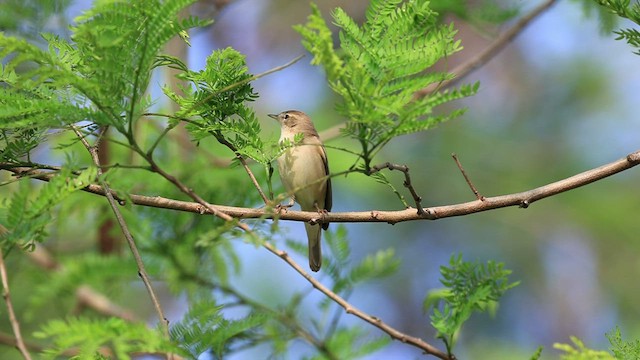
<point x="562" y="98"/>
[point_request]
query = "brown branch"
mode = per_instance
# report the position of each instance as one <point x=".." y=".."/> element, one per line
<point x="407" y="182"/>
<point x="350" y="309"/>
<point x="15" y="325"/>
<point x="88" y="297"/>
<point x="93" y="151"/>
<point x="522" y="199"/>
<point x="489" y="52"/>
<point x="466" y="178"/>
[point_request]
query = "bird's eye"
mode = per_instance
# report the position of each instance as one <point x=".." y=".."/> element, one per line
<point x="286" y="116"/>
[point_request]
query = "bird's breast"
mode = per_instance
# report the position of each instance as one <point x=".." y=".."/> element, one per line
<point x="301" y="170"/>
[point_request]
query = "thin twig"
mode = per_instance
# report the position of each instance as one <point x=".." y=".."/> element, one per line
<point x="407" y="182"/>
<point x="127" y="234"/>
<point x="466" y="178"/>
<point x="245" y="81"/>
<point x="521" y="199"/>
<point x="15" y="325"/>
<point x="243" y="161"/>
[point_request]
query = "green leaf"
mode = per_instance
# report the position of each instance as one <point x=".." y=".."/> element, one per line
<point x="578" y="351"/>
<point x="90" y="336"/>
<point x="470" y="287"/>
<point x="217" y="105"/>
<point x="381" y="264"/>
<point x="205" y="329"/>
<point x="29" y="212"/>
<point x="623" y="350"/>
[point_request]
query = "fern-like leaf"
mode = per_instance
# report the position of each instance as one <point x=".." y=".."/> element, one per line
<point x="382" y="63"/>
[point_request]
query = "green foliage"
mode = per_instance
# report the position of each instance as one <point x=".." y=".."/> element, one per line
<point x="205" y="329"/>
<point x="91" y="337"/>
<point x="537" y="354"/>
<point x="100" y="76"/>
<point x="623" y="350"/>
<point x="352" y="343"/>
<point x="218" y="106"/>
<point x="17" y="144"/>
<point x="578" y="351"/>
<point x="625" y="9"/>
<point x="470" y="287"/>
<point x="484" y="11"/>
<point x="379" y="67"/>
<point x="27" y="214"/>
<point x="28" y="17"/>
<point x="99" y="272"/>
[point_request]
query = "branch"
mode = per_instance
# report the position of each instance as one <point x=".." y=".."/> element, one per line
<point x="242" y="160"/>
<point x="350" y="309"/>
<point x="15" y="325"/>
<point x="522" y="199"/>
<point x="488" y="53"/>
<point x="93" y="151"/>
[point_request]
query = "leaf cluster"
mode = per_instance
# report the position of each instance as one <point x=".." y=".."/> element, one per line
<point x="624" y="350"/>
<point x="379" y="67"/>
<point x="625" y="9"/>
<point x="469" y="287"/>
<point x="27" y="213"/>
<point x="579" y="351"/>
<point x="99" y="76"/>
<point x="204" y="329"/>
<point x="217" y="103"/>
<point x="112" y="337"/>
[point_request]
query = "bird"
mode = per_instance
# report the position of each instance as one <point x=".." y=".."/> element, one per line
<point x="304" y="172"/>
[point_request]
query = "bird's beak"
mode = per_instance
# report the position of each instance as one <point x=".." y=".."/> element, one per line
<point x="273" y="116"/>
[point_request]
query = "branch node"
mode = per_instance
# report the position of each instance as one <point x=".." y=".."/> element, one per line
<point x="406" y="183"/>
<point x="634" y="158"/>
<point x="525" y="204"/>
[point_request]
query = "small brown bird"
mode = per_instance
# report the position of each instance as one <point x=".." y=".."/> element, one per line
<point x="304" y="173"/>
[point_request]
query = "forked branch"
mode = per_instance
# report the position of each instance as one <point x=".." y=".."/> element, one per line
<point x="407" y="182"/>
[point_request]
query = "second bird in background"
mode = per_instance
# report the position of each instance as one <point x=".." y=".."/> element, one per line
<point x="304" y="172"/>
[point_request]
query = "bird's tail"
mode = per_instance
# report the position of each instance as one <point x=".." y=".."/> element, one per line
<point x="315" y="253"/>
